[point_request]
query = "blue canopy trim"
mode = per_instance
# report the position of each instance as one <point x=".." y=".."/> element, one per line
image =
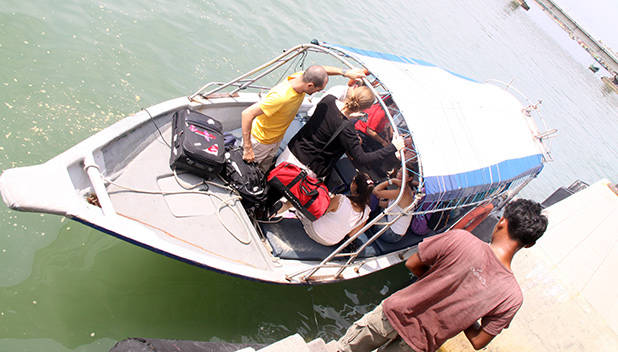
<point x="471" y="183"/>
<point x="467" y="187"/>
<point x="397" y="58"/>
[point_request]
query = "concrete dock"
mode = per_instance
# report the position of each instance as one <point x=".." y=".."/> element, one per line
<point x="604" y="56"/>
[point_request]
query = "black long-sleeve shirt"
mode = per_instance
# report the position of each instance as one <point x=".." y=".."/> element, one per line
<point x="307" y="144"/>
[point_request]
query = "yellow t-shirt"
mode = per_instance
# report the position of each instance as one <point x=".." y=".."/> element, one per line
<point x="279" y="105"/>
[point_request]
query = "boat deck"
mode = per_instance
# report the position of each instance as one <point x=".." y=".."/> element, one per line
<point x="199" y="222"/>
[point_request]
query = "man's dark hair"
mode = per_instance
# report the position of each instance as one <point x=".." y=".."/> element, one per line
<point x="315" y="74"/>
<point x="526" y="224"/>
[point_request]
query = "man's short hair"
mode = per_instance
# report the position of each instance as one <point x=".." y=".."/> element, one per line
<point x="315" y="74"/>
<point x="526" y="224"/>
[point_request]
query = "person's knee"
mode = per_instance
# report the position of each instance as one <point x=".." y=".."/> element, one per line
<point x="368" y="333"/>
<point x="358" y="337"/>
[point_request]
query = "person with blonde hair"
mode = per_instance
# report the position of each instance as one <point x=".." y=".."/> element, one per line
<point x="330" y="133"/>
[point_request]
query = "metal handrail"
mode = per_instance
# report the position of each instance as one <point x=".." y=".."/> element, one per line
<point x="282" y="60"/>
<point x="297" y="50"/>
<point x="223" y="83"/>
<point x="417" y="199"/>
<point x="361" y="230"/>
<point x="248" y="79"/>
<point x="541" y="136"/>
<point x="327" y="264"/>
<point x="385" y="211"/>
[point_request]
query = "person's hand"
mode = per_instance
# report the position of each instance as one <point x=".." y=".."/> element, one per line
<point x="398" y="142"/>
<point x="355" y="73"/>
<point x="247" y="154"/>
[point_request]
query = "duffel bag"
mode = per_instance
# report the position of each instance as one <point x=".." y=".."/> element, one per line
<point x="307" y="194"/>
<point x="246" y="178"/>
<point x="197" y="144"/>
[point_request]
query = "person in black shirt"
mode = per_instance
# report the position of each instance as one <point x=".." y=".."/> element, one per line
<point x="310" y="147"/>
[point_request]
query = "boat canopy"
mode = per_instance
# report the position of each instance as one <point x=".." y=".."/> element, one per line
<point x="471" y="138"/>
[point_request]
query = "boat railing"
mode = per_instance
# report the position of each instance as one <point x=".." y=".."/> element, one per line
<point x="237" y="84"/>
<point x="337" y="252"/>
<point x="531" y="107"/>
<point x="263" y="70"/>
<point x="409" y="156"/>
<point x="502" y="192"/>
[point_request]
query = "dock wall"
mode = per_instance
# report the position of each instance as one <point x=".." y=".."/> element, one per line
<point x="601" y="54"/>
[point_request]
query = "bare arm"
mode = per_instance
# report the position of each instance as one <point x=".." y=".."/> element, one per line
<point x="380" y="190"/>
<point x="373" y="134"/>
<point x="477" y="336"/>
<point x="334" y="203"/>
<point x="354" y="73"/>
<point x="247" y="116"/>
<point x="416" y="266"/>
<point x="354" y="230"/>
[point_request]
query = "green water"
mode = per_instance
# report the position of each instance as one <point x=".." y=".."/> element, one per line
<point x="71" y="68"/>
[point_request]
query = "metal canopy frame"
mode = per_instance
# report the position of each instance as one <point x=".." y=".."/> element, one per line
<point x="248" y="80"/>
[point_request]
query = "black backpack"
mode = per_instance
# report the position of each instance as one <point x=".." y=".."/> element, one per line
<point x="246" y="178"/>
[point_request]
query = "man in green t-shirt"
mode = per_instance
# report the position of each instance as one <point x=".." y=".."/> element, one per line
<point x="265" y="122"/>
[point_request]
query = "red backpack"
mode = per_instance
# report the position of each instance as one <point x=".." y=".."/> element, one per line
<point x="307" y="194"/>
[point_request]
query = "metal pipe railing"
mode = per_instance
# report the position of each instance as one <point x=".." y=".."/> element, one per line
<point x="294" y="51"/>
<point x="418" y="197"/>
<point x="246" y="81"/>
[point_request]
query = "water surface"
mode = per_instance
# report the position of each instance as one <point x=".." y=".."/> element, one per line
<point x="71" y="68"/>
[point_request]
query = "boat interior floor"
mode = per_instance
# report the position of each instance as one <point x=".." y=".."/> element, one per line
<point x="214" y="223"/>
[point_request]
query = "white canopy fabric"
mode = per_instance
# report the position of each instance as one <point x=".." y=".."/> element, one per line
<point x="469" y="136"/>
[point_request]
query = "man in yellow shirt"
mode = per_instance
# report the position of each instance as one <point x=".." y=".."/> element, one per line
<point x="265" y="122"/>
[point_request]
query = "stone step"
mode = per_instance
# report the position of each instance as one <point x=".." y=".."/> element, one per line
<point x="291" y="343"/>
<point x="317" y="345"/>
<point x="332" y="346"/>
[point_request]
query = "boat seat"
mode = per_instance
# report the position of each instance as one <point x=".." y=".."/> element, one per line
<point x="335" y="183"/>
<point x="294" y="127"/>
<point x="289" y="241"/>
<point x="341" y="176"/>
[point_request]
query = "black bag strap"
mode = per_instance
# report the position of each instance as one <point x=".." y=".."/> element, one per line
<point x="332" y="138"/>
<point x="301" y="176"/>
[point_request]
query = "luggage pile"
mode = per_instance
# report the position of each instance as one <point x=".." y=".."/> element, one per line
<point x="200" y="147"/>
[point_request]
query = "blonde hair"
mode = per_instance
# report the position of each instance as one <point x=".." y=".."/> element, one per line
<point x="360" y="98"/>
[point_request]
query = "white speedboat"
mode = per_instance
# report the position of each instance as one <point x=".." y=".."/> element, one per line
<point x="474" y="143"/>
